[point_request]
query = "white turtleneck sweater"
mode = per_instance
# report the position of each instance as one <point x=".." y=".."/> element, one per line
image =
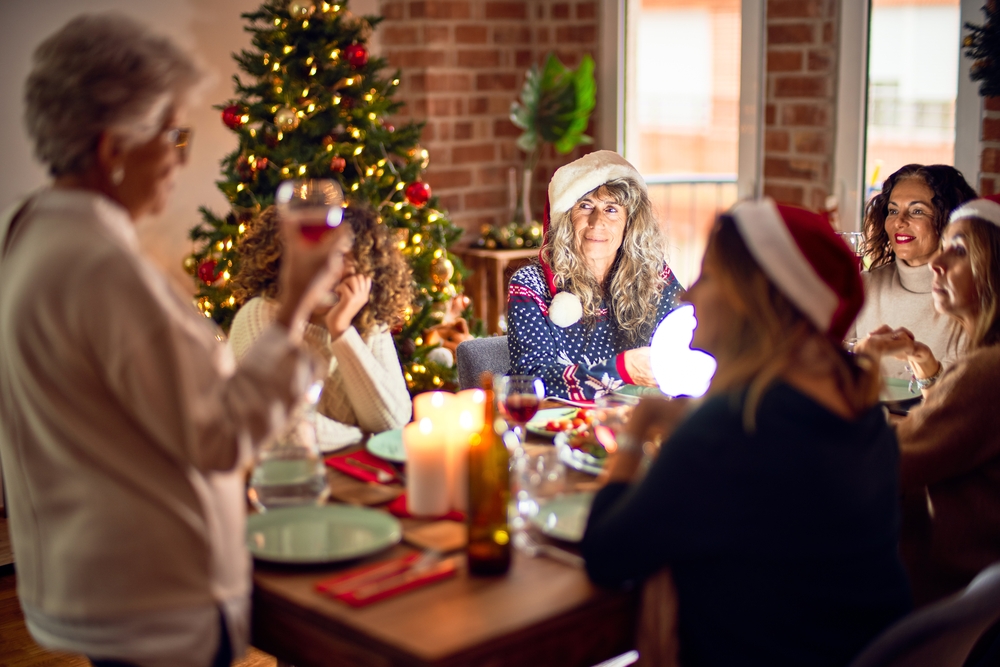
<point x="900" y="296"/>
<point x="364" y="390"/>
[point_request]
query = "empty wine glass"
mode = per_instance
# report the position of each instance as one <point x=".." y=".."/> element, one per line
<point x="539" y="476"/>
<point x="613" y="412"/>
<point x="314" y="206"/>
<point x="519" y="396"/>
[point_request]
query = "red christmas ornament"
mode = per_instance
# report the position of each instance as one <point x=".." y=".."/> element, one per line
<point x="338" y="164"/>
<point x="357" y="55"/>
<point x="418" y="193"/>
<point x="389" y="128"/>
<point x="261" y="164"/>
<point x="232" y="116"/>
<point x="206" y="271"/>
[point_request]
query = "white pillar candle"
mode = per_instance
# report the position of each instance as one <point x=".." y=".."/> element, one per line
<point x="438" y="406"/>
<point x="427" y="489"/>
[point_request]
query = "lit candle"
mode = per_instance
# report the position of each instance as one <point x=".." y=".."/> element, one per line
<point x="438" y="406"/>
<point x="427" y="489"/>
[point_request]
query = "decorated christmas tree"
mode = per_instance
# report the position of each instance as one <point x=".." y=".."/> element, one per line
<point x="313" y="103"/>
<point x="982" y="46"/>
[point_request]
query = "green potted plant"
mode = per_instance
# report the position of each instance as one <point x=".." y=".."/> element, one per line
<point x="554" y="108"/>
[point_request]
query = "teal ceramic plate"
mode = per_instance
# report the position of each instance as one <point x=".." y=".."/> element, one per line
<point x="575" y="458"/>
<point x="565" y="518"/>
<point x="897" y="390"/>
<point x="311" y="535"/>
<point x="543" y="417"/>
<point x="388" y="446"/>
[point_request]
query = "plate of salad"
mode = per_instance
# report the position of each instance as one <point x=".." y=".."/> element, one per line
<point x="581" y="451"/>
<point x="548" y="423"/>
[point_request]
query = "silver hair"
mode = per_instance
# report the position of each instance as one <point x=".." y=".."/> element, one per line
<point x="101" y="73"/>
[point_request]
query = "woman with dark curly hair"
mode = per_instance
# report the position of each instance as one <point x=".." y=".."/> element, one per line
<point x="350" y="331"/>
<point x="902" y="229"/>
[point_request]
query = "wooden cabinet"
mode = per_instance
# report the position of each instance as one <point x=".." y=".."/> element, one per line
<point x="487" y="284"/>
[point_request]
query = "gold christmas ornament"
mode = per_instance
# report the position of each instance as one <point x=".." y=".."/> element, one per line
<point x="286" y="119"/>
<point x="442" y="270"/>
<point x="190" y="264"/>
<point x="301" y="9"/>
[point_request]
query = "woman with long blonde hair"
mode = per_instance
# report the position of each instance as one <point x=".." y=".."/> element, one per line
<point x="582" y="317"/>
<point x="775" y="500"/>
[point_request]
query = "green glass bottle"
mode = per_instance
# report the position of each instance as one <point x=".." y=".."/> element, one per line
<point x="489" y="494"/>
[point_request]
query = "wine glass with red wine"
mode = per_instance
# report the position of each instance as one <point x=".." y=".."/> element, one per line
<point x="313" y="205"/>
<point x="519" y="396"/>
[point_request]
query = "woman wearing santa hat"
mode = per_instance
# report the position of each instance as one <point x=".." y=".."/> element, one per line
<point x="950" y="444"/>
<point x="581" y="318"/>
<point x="775" y="501"/>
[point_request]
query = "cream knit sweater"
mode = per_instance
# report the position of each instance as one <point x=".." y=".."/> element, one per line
<point x="364" y="390"/>
<point x="900" y="296"/>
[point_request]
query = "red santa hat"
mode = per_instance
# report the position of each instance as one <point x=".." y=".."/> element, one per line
<point x="806" y="260"/>
<point x="987" y="208"/>
<point x="568" y="184"/>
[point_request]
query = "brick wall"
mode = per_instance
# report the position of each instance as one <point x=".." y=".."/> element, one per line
<point x="463" y="63"/>
<point x="989" y="179"/>
<point x="800" y="102"/>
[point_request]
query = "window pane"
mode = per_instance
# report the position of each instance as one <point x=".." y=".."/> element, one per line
<point x="912" y="83"/>
<point x="682" y="102"/>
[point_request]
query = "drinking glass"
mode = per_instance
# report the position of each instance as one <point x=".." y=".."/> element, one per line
<point x="539" y="476"/>
<point x="519" y="397"/>
<point x="289" y="470"/>
<point x="314" y="206"/>
<point x="855" y="241"/>
<point x="612" y="412"/>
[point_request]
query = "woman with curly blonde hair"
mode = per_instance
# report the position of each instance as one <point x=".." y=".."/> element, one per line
<point x="581" y="318"/>
<point x="350" y="331"/>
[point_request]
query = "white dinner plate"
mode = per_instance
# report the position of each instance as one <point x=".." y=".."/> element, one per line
<point x="388" y="445"/>
<point x="565" y="518"/>
<point x="543" y="417"/>
<point x="311" y="535"/>
<point x="575" y="458"/>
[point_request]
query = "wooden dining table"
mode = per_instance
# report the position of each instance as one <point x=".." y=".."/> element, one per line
<point x="542" y="612"/>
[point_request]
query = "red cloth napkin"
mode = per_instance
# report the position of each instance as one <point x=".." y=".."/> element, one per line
<point x="364" y="585"/>
<point x="342" y="462"/>
<point x="398" y="508"/>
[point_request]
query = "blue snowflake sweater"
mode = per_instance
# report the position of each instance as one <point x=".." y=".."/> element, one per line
<point x="576" y="362"/>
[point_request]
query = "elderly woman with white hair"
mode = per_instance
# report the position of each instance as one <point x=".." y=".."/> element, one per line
<point x="582" y="317"/>
<point x="125" y="427"/>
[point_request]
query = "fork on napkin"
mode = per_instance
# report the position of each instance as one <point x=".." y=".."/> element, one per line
<point x="362" y="465"/>
<point x="370" y="583"/>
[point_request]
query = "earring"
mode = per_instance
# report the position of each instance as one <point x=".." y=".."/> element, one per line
<point x="118" y="175"/>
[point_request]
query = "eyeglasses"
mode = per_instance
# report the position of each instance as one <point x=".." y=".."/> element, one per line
<point x="180" y="137"/>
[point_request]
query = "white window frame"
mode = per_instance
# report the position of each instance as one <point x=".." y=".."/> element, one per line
<point x="852" y="101"/>
<point x="616" y="67"/>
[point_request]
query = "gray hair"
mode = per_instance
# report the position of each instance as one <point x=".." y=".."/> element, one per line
<point x="101" y="73"/>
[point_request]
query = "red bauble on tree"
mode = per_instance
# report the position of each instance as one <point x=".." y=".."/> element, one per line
<point x="357" y="55"/>
<point x="234" y="116"/>
<point x="338" y="164"/>
<point x="418" y="193"/>
<point x="206" y="271"/>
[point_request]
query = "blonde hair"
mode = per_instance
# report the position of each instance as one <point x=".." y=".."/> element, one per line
<point x="770" y="334"/>
<point x="984" y="257"/>
<point x="632" y="288"/>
